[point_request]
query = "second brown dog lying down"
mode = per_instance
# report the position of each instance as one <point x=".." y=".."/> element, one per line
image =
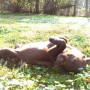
<point x="55" y="52"/>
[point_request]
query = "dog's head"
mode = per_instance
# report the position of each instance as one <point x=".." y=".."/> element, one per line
<point x="72" y="60"/>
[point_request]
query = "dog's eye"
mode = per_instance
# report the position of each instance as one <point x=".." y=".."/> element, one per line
<point x="83" y="57"/>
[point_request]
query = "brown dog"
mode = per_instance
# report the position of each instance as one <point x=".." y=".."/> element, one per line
<point x="72" y="60"/>
<point x="51" y="53"/>
<point x="37" y="53"/>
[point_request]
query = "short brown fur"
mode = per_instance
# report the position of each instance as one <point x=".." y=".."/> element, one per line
<point x="55" y="52"/>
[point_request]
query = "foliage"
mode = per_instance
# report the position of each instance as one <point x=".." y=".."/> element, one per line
<point x="35" y="6"/>
<point x="64" y="1"/>
<point x="23" y="28"/>
<point x="24" y="4"/>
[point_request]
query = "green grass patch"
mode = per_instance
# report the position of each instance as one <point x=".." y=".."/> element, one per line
<point x="23" y="28"/>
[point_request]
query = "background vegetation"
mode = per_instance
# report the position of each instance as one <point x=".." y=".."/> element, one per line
<point x="23" y="28"/>
<point x="52" y="7"/>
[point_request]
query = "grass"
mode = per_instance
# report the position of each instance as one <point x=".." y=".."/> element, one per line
<point x="23" y="28"/>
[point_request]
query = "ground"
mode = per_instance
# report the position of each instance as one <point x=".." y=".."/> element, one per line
<point x="24" y="28"/>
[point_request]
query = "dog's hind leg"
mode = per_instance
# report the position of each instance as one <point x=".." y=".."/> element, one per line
<point x="9" y="55"/>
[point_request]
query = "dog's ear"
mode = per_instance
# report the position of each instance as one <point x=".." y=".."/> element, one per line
<point x="88" y="60"/>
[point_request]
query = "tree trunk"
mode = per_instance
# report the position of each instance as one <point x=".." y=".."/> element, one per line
<point x="37" y="6"/>
<point x="1" y="5"/>
<point x="86" y="8"/>
<point x="75" y="4"/>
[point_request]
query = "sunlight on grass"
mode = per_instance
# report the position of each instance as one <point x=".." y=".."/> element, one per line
<point x="23" y="28"/>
